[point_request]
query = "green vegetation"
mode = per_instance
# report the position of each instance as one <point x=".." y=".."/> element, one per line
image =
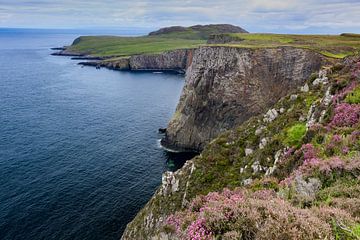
<point x="295" y="134"/>
<point x="127" y="46"/>
<point x="333" y="46"/>
<point x="353" y="97"/>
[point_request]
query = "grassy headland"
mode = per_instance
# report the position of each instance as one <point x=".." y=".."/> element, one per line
<point x="104" y="46"/>
<point x="334" y="46"/>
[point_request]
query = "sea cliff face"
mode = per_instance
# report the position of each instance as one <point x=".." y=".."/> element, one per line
<point x="225" y="86"/>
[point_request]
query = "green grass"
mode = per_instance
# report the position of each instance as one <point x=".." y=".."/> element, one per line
<point x="354" y="96"/>
<point x="295" y="134"/>
<point x="333" y="46"/>
<point x="127" y="46"/>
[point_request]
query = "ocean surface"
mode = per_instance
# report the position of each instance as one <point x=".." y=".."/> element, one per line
<point x="79" y="150"/>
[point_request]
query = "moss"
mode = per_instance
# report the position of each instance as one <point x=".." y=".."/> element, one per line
<point x="295" y="134"/>
<point x="354" y="96"/>
<point x="356" y="230"/>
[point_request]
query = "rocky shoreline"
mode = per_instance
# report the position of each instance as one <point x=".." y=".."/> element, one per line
<point x="175" y="61"/>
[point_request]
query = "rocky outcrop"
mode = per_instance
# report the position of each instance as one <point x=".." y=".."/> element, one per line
<point x="177" y="60"/>
<point x="147" y="223"/>
<point x="225" y="86"/>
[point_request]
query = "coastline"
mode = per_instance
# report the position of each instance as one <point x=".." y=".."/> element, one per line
<point x="174" y="61"/>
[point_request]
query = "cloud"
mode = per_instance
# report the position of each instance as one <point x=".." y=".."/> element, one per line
<point x="255" y="15"/>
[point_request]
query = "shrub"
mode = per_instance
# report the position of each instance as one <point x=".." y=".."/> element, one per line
<point x="295" y="134"/>
<point x="261" y="215"/>
<point x="345" y="115"/>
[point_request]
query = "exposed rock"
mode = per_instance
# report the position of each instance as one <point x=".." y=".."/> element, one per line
<point x="305" y="88"/>
<point x="327" y="98"/>
<point x="169" y="183"/>
<point x="177" y="60"/>
<point x="259" y="130"/>
<point x="263" y="143"/>
<point x="322" y="78"/>
<point x="247" y="181"/>
<point x="306" y="190"/>
<point x="256" y="167"/>
<point x="293" y="97"/>
<point x="226" y="86"/>
<point x="311" y="120"/>
<point x="270" y="116"/>
<point x="248" y="151"/>
<point x="282" y="110"/>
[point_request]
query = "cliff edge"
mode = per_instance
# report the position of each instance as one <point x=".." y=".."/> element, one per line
<point x="225" y="86"/>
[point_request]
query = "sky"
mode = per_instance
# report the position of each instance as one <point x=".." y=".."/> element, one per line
<point x="278" y="16"/>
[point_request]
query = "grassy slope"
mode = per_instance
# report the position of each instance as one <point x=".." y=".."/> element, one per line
<point x="127" y="46"/>
<point x="335" y="46"/>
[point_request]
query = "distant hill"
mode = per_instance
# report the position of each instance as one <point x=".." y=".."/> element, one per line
<point x="197" y="31"/>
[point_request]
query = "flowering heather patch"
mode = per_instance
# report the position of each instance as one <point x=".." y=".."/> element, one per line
<point x="345" y="115"/>
<point x="260" y="215"/>
<point x="309" y="151"/>
<point x="324" y="167"/>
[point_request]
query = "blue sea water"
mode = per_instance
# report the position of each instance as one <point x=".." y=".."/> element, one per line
<point x="79" y="152"/>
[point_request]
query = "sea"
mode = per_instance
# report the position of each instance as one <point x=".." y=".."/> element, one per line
<point x="79" y="146"/>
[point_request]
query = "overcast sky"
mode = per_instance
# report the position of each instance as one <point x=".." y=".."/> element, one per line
<point x="296" y="16"/>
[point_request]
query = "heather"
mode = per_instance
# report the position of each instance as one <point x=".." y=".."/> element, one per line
<point x="299" y="181"/>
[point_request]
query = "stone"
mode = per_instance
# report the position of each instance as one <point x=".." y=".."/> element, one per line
<point x="247" y="181"/>
<point x="256" y="167"/>
<point x="263" y="143"/>
<point x="248" y="151"/>
<point x="169" y="183"/>
<point x="311" y="116"/>
<point x="306" y="189"/>
<point x="270" y="116"/>
<point x="293" y="97"/>
<point x="282" y="110"/>
<point x="327" y="98"/>
<point x="322" y="79"/>
<point x="259" y="130"/>
<point x="305" y="88"/>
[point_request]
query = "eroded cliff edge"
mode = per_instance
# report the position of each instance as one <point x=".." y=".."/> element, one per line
<point x="225" y="86"/>
<point x="175" y="60"/>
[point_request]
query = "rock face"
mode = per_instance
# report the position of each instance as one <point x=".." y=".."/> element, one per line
<point x="225" y="86"/>
<point x="171" y="60"/>
<point x="176" y="60"/>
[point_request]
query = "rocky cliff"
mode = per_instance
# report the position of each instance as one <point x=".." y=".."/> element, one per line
<point x="225" y="86"/>
<point x="295" y="169"/>
<point x="176" y="60"/>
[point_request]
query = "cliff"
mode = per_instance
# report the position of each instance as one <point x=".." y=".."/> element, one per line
<point x="177" y="60"/>
<point x="293" y="169"/>
<point x="225" y="86"/>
